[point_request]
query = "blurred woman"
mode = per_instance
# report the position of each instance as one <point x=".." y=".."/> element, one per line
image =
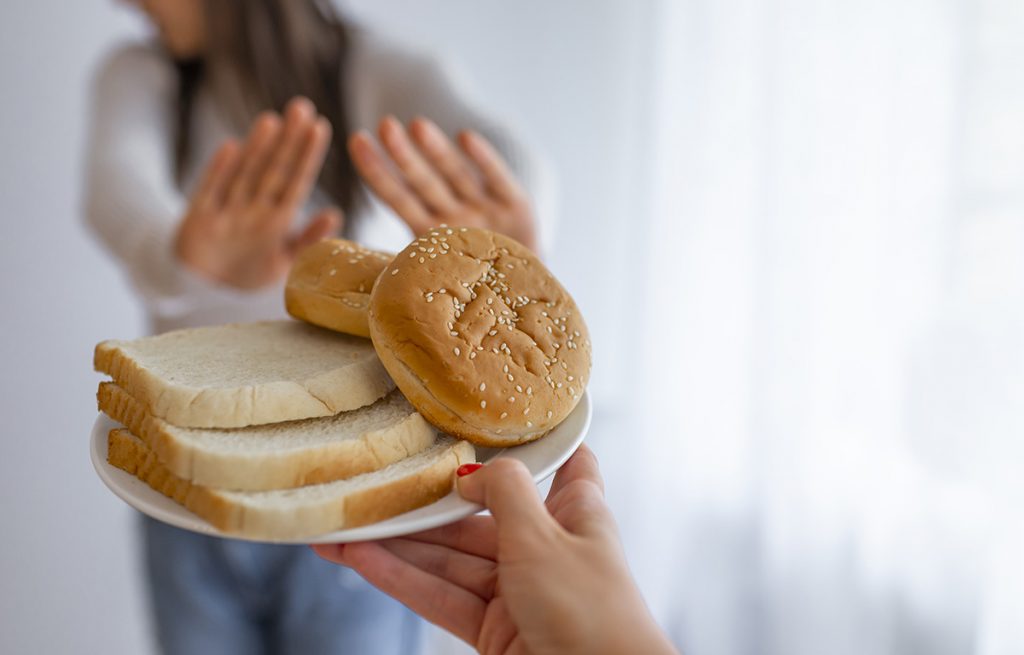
<point x="215" y="155"/>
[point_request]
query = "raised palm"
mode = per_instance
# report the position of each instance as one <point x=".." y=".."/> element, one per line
<point x="428" y="180"/>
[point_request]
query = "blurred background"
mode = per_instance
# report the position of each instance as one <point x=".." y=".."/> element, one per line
<point x="796" y="230"/>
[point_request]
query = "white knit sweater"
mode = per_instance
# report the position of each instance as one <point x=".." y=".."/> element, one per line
<point x="133" y="204"/>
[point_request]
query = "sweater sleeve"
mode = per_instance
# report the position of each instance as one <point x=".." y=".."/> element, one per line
<point x="131" y="202"/>
<point x="387" y="80"/>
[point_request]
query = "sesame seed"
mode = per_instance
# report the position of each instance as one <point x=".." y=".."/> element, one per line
<point x="394" y="272"/>
<point x="503" y="415"/>
<point x="549" y="413"/>
<point x="333" y="272"/>
<point x="519" y="388"/>
<point x="529" y="391"/>
<point x="483" y="404"/>
<point x="511" y="399"/>
<point x="454" y="333"/>
<point x="570" y="378"/>
<point x="422" y="260"/>
<point x="483" y="386"/>
<point x="526" y="411"/>
<point x="472" y="354"/>
<point x="459" y="352"/>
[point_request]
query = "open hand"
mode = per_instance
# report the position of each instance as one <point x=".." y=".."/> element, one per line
<point x="236" y="229"/>
<point x="532" y="578"/>
<point x="428" y="181"/>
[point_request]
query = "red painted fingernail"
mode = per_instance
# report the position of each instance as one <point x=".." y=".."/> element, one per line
<point x="466" y="469"/>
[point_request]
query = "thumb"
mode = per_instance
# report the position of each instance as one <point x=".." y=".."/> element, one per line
<point x="324" y="224"/>
<point x="506" y="488"/>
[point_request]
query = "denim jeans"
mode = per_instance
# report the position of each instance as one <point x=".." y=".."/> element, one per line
<point x="223" y="596"/>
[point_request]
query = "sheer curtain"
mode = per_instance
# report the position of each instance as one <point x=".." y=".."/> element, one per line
<point x="832" y="329"/>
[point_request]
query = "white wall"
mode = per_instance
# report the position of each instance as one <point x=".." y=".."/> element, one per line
<point x="567" y="73"/>
<point x="67" y="573"/>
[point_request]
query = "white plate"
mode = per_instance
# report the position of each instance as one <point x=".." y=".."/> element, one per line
<point x="542" y="457"/>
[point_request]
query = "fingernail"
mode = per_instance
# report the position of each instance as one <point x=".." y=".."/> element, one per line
<point x="466" y="469"/>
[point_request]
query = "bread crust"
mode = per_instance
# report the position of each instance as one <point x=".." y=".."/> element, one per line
<point x="329" y="285"/>
<point x="346" y="458"/>
<point x="480" y="336"/>
<point x="359" y="382"/>
<point x="227" y="512"/>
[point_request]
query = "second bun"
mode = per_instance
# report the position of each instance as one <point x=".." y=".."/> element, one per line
<point x="329" y="285"/>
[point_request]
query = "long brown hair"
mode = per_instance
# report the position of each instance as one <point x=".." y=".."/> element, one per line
<point x="272" y="51"/>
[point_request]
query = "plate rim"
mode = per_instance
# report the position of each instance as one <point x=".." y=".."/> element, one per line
<point x="121" y="483"/>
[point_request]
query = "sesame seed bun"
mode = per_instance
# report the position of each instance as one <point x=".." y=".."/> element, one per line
<point x="480" y="336"/>
<point x="329" y="285"/>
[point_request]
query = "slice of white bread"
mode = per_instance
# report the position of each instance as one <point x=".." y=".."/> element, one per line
<point x="307" y="511"/>
<point x="231" y="376"/>
<point x="281" y="455"/>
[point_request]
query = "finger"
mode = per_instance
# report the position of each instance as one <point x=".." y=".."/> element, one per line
<point x="476" y="535"/>
<point x="475" y="574"/>
<point x="582" y="465"/>
<point x="331" y="552"/>
<point x="419" y="174"/>
<point x="499" y="178"/>
<point x="212" y="189"/>
<point x="443" y="154"/>
<point x="386" y="185"/>
<point x="499" y="632"/>
<point x="442" y="603"/>
<point x="299" y="117"/>
<point x="506" y="487"/>
<point x="580" y="508"/>
<point x="323" y="225"/>
<point x="257" y="147"/>
<point x="307" y="169"/>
